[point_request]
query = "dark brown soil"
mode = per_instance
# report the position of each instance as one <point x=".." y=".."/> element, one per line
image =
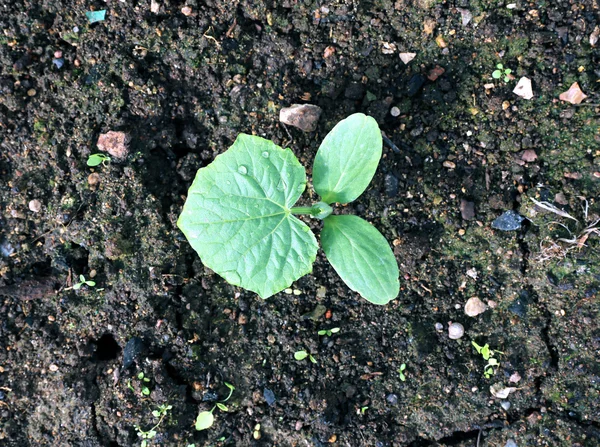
<point x="182" y="87"/>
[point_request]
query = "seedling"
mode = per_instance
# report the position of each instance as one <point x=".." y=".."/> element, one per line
<point x="97" y="159"/>
<point x="329" y="332"/>
<point x="206" y="419"/>
<point x="159" y="414"/>
<point x="401" y="372"/>
<point x="143" y="387"/>
<point x="81" y="282"/>
<point x="240" y="216"/>
<point x="501" y="71"/>
<point x="363" y="410"/>
<point x="487" y="354"/>
<point x="301" y="355"/>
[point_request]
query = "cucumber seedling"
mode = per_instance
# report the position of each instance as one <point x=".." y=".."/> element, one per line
<point x="240" y="217"/>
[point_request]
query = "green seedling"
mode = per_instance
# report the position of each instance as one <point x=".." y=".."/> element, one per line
<point x="501" y="71"/>
<point x="159" y="414"/>
<point x="363" y="410"/>
<point x="401" y="372"/>
<point x="487" y="354"/>
<point x="301" y="355"/>
<point x="143" y="384"/>
<point x="97" y="159"/>
<point x="240" y="217"/>
<point x="329" y="332"/>
<point x="206" y="419"/>
<point x="81" y="282"/>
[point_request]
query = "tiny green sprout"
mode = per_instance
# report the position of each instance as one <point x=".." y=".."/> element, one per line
<point x="81" y="282"/>
<point x="97" y="159"/>
<point x="329" y="332"/>
<point x="363" y="410"/>
<point x="301" y="355"/>
<point x="501" y="71"/>
<point x="206" y="419"/>
<point x="401" y="372"/>
<point x="487" y="354"/>
<point x="143" y="387"/>
<point x="160" y="414"/>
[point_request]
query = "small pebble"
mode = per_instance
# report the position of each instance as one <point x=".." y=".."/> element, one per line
<point x="58" y="54"/>
<point x="242" y="319"/>
<point x="35" y="206"/>
<point x="505" y="405"/>
<point x="93" y="179"/>
<point x="395" y="111"/>
<point x="186" y="11"/>
<point x="448" y="164"/>
<point x="53" y="368"/>
<point x="302" y="116"/>
<point x="51" y="318"/>
<point x="474" y="307"/>
<point x="455" y="331"/>
<point x="392" y="399"/>
<point x="115" y="143"/>
<point x="439" y="327"/>
<point x="31" y="92"/>
<point x="299" y="425"/>
<point x="58" y="63"/>
<point x="510" y="443"/>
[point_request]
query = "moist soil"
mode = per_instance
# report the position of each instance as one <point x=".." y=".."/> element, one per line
<point x="462" y="149"/>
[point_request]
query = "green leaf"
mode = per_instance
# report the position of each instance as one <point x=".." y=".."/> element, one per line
<point x="156" y="413"/>
<point x="322" y="332"/>
<point x="496" y="74"/>
<point x="347" y="159"/>
<point x="96" y="159"/>
<point x="204" y="420"/>
<point x="237" y="217"/>
<point x="144" y="443"/>
<point x="334" y="330"/>
<point x="500" y="66"/>
<point x="362" y="257"/>
<point x="222" y="407"/>
<point x="300" y="355"/>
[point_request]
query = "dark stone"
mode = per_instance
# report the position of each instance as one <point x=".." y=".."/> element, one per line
<point x="432" y="135"/>
<point x="519" y="305"/>
<point x="467" y="209"/>
<point x="210" y="396"/>
<point x="508" y="221"/>
<point x="134" y="347"/>
<point x="414" y="84"/>
<point x="392" y="399"/>
<point x="354" y="91"/>
<point x="269" y="396"/>
<point x="390" y="184"/>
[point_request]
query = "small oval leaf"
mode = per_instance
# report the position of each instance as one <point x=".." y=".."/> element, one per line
<point x="347" y="159"/>
<point x="237" y="217"/>
<point x="362" y="257"/>
<point x="204" y="420"/>
<point x="300" y="355"/>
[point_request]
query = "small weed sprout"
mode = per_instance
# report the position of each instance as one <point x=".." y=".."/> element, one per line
<point x="159" y="414"/>
<point x="401" y="372"/>
<point x="487" y="354"/>
<point x="329" y="332"/>
<point x="363" y="410"/>
<point x="500" y="72"/>
<point x="97" y="159"/>
<point x="143" y="387"/>
<point x="206" y="419"/>
<point x="81" y="282"/>
<point x="301" y="355"/>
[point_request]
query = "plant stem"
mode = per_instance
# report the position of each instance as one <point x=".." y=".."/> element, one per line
<point x="319" y="210"/>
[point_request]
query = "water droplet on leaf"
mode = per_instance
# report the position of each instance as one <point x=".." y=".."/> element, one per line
<point x="265" y="154"/>
<point x="242" y="169"/>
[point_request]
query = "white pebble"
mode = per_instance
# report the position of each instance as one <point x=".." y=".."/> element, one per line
<point x="455" y="331"/>
<point x="35" y="206"/>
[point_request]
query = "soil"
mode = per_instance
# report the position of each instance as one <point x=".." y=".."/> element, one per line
<point x="182" y="86"/>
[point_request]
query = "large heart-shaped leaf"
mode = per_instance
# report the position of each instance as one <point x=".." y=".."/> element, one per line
<point x="237" y="217"/>
<point x="362" y="257"/>
<point x="347" y="159"/>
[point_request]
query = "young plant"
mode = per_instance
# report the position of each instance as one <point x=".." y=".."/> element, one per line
<point x="240" y="217"/>
<point x="329" y="332"/>
<point x="97" y="159"/>
<point x="143" y="384"/>
<point x="81" y="282"/>
<point x="487" y="354"/>
<point x="159" y="414"/>
<point x="206" y="419"/>
<point x="401" y="372"/>
<point x="501" y="71"/>
<point x="301" y="355"/>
